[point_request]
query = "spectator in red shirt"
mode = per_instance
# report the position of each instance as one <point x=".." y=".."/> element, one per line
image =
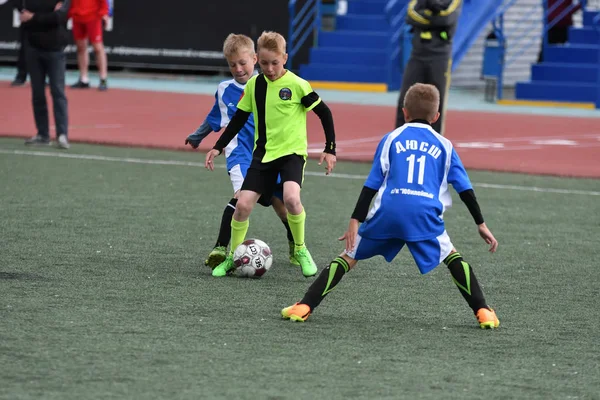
<point x="88" y="18"/>
<point x="559" y="32"/>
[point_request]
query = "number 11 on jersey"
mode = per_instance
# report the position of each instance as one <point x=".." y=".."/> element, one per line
<point x="411" y="168"/>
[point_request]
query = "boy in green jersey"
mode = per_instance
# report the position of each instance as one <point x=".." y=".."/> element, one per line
<point x="279" y="100"/>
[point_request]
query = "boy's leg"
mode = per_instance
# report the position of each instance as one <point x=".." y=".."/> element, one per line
<point x="95" y="28"/>
<point x="281" y="211"/>
<point x="292" y="175"/>
<point x="219" y="252"/>
<point x="259" y="179"/>
<point x="80" y="36"/>
<point x="325" y="282"/>
<point x="428" y="254"/>
<point x="335" y="271"/>
<point x="464" y="278"/>
<point x="225" y="229"/>
<point x="239" y="227"/>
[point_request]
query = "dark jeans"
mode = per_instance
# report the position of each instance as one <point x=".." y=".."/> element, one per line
<point x="21" y="61"/>
<point x="52" y="64"/>
<point x="433" y="71"/>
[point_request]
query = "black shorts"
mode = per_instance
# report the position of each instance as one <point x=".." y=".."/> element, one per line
<point x="262" y="177"/>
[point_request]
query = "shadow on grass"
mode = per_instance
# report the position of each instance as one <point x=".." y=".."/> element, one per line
<point x="21" y="276"/>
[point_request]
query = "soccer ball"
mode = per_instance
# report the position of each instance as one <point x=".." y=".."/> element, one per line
<point x="252" y="258"/>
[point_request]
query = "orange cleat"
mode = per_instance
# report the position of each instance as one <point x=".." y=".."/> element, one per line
<point x="298" y="312"/>
<point x="487" y="318"/>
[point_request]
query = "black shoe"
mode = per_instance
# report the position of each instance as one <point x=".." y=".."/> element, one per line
<point x="38" y="140"/>
<point x="80" y="85"/>
<point x="18" y="81"/>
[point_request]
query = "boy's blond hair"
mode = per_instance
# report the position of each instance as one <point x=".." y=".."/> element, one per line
<point x="422" y="101"/>
<point x="272" y="41"/>
<point x="235" y="44"/>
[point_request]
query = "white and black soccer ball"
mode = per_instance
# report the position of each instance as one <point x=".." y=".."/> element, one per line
<point x="252" y="258"/>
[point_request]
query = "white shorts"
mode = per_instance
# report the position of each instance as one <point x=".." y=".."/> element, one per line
<point x="237" y="175"/>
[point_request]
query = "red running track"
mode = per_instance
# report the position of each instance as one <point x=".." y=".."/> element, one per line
<point x="552" y="145"/>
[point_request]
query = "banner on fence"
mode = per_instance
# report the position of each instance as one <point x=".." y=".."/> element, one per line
<point x="178" y="34"/>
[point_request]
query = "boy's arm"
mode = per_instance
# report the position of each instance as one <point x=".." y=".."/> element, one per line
<point x="235" y="125"/>
<point x="324" y="114"/>
<point x="364" y="202"/>
<point x="468" y="197"/>
<point x="196" y="138"/>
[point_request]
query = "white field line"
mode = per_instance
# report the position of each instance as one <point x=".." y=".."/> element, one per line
<point x="309" y="173"/>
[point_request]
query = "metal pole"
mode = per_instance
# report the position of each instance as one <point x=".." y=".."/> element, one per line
<point x="502" y="44"/>
<point x="292" y="14"/>
<point x="596" y="22"/>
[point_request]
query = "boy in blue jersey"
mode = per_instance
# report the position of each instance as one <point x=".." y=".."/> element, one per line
<point x="240" y="55"/>
<point x="409" y="179"/>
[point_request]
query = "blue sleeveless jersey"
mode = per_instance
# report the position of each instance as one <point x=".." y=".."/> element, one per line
<point x="412" y="168"/>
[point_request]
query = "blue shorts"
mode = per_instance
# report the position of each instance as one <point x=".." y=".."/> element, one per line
<point x="428" y="254"/>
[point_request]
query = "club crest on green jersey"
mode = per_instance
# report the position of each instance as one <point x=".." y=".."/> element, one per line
<point x="285" y="94"/>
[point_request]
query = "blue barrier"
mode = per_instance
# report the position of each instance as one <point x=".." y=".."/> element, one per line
<point x="302" y="23"/>
<point x="493" y="60"/>
<point x="596" y="23"/>
<point x="399" y="44"/>
<point x="475" y="16"/>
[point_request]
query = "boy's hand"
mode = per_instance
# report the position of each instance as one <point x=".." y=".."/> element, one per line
<point x="486" y="235"/>
<point x="350" y="234"/>
<point x="330" y="160"/>
<point x="210" y="157"/>
<point x="58" y="6"/>
<point x="193" y="141"/>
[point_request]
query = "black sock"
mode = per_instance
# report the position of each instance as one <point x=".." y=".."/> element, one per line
<point x="464" y="278"/>
<point x="225" y="230"/>
<point x="290" y="237"/>
<point x="325" y="282"/>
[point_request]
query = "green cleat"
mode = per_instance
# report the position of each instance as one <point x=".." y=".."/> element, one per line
<point x="293" y="260"/>
<point x="216" y="256"/>
<point x="224" y="268"/>
<point x="309" y="268"/>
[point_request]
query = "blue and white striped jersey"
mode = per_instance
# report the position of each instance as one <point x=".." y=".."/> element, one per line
<point x="239" y="150"/>
<point x="412" y="168"/>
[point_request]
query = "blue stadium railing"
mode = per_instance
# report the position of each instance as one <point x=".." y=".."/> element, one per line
<point x="523" y="42"/>
<point x="399" y="46"/>
<point x="596" y="23"/>
<point x="303" y="22"/>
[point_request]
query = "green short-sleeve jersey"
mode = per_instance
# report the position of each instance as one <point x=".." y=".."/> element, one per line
<point x="279" y="110"/>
